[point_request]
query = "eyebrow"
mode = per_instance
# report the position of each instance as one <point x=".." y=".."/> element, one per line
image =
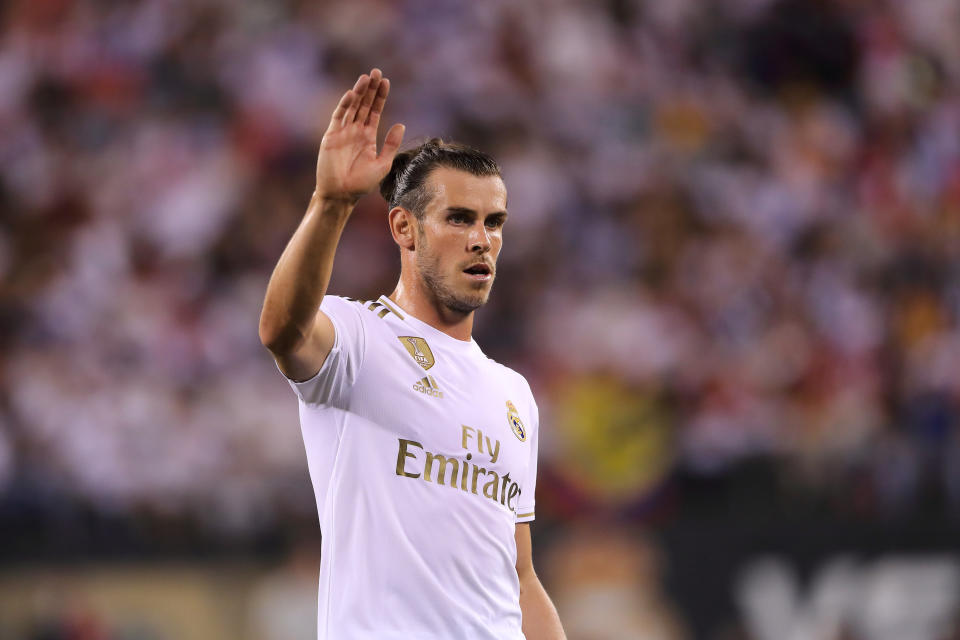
<point x="470" y="212"/>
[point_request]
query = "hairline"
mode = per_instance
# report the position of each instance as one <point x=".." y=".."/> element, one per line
<point x="422" y="196"/>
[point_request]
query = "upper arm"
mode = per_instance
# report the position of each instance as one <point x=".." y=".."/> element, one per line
<point x="524" y="552"/>
<point x="304" y="360"/>
<point x="324" y="368"/>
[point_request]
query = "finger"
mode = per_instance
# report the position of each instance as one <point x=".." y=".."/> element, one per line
<point x="377" y="107"/>
<point x="391" y="143"/>
<point x="358" y="89"/>
<point x="341" y="108"/>
<point x="372" y="88"/>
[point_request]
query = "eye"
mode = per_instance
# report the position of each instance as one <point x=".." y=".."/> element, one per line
<point x="495" y="223"/>
<point x="457" y="218"/>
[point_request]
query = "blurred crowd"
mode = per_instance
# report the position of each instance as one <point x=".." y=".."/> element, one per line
<point x="734" y="237"/>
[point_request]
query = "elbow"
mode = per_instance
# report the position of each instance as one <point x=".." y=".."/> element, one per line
<point x="527" y="578"/>
<point x="269" y="335"/>
<point x="277" y="337"/>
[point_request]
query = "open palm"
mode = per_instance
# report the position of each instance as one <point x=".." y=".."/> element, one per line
<point x="348" y="165"/>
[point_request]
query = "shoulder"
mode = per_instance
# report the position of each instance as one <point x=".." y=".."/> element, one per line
<point x="339" y="303"/>
<point x="515" y="379"/>
<point x="364" y="309"/>
<point x="343" y="311"/>
<point x="351" y="307"/>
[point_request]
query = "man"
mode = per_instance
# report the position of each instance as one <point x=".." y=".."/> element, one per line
<point x="422" y="451"/>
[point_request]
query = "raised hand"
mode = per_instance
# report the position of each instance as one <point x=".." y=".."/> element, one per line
<point x="348" y="165"/>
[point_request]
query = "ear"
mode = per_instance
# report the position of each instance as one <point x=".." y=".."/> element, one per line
<point x="402" y="227"/>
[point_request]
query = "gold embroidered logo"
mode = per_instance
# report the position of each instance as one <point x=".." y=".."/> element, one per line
<point x="515" y="422"/>
<point x="428" y="386"/>
<point x="419" y="350"/>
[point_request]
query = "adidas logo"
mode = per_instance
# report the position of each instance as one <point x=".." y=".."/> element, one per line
<point x="428" y="386"/>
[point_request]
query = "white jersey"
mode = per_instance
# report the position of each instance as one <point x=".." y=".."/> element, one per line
<point x="423" y="457"/>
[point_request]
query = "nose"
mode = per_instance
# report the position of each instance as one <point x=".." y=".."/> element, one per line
<point x="479" y="239"/>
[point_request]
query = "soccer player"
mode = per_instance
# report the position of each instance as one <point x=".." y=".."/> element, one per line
<point x="422" y="451"/>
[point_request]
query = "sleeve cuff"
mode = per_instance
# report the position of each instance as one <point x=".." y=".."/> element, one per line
<point x="525" y="515"/>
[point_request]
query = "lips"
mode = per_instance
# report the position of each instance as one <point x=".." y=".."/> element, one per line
<point x="479" y="271"/>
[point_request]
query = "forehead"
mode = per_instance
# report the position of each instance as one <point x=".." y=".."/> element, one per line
<point x="455" y="188"/>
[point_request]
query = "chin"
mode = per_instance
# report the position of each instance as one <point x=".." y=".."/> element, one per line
<point x="468" y="301"/>
<point x="472" y="303"/>
<point x="480" y="294"/>
<point x="461" y="297"/>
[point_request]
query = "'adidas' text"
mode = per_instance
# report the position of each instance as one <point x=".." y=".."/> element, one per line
<point x="428" y="386"/>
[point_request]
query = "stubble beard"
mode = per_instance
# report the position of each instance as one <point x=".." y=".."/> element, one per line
<point x="438" y="286"/>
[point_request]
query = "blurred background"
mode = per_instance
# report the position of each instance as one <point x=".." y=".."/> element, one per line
<point x="731" y="275"/>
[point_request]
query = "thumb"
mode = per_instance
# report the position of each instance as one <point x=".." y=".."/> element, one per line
<point x="391" y="143"/>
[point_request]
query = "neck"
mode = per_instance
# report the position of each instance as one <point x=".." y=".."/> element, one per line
<point x="416" y="300"/>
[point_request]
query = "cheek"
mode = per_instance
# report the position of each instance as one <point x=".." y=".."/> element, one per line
<point x="496" y="243"/>
<point x="441" y="253"/>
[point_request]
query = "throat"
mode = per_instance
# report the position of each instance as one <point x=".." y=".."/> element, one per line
<point x="453" y="320"/>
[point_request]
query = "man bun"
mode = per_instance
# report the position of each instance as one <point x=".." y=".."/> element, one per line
<point x="398" y="169"/>
<point x="388" y="185"/>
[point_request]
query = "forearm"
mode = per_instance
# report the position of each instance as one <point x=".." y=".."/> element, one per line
<point x="348" y="166"/>
<point x="300" y="279"/>
<point x="540" y="619"/>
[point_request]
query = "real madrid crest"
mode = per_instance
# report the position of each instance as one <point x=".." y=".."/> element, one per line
<point x="516" y="424"/>
<point x="419" y="350"/>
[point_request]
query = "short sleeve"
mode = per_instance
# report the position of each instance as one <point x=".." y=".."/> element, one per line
<point x="525" y="506"/>
<point x="333" y="383"/>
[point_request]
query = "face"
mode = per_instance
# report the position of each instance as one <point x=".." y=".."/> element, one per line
<point x="459" y="237"/>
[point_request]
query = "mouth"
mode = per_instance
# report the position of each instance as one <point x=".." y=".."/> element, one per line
<point x="479" y="272"/>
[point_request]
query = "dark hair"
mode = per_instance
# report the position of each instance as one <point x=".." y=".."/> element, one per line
<point x="404" y="184"/>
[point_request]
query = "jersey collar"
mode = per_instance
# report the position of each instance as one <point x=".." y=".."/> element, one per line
<point x="433" y="333"/>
